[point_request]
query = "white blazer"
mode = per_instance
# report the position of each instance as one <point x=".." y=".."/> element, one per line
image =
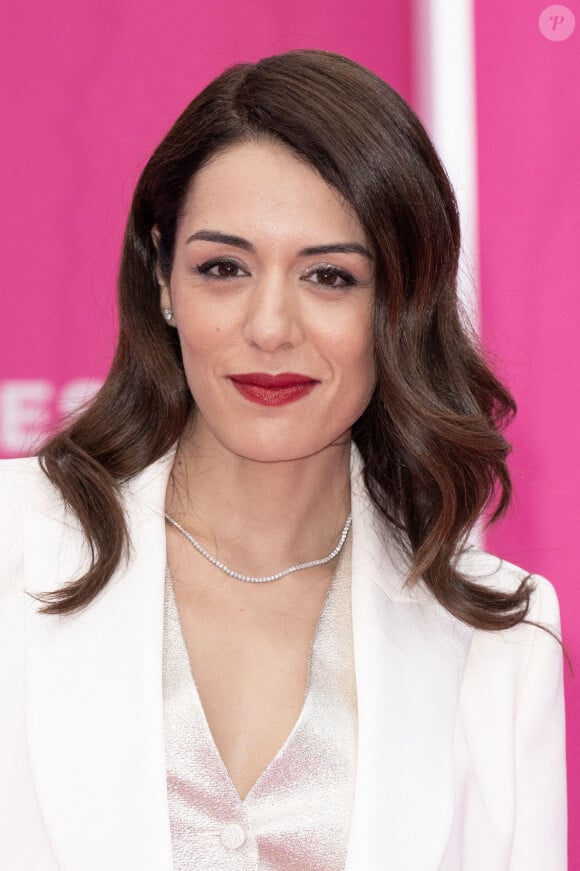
<point x="461" y="732"/>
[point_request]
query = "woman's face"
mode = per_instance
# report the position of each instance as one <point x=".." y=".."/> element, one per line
<point x="260" y="304"/>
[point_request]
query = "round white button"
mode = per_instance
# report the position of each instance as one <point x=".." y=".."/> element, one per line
<point x="232" y="836"/>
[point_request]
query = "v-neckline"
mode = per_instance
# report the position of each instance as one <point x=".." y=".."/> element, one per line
<point x="184" y="653"/>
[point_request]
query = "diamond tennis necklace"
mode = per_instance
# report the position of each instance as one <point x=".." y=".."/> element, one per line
<point x="240" y="577"/>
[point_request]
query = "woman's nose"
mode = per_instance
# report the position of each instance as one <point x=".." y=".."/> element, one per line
<point x="272" y="318"/>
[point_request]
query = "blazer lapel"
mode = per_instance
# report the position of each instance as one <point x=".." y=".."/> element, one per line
<point x="409" y="661"/>
<point x="95" y="717"/>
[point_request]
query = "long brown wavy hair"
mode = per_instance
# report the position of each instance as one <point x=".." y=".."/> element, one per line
<point x="431" y="438"/>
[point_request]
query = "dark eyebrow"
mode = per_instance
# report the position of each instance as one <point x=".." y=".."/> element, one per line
<point x="238" y="242"/>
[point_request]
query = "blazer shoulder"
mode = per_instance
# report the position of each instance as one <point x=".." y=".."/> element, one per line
<point x="513" y="669"/>
<point x="23" y="486"/>
<point x="499" y="574"/>
<point x="22" y="480"/>
<point x="19" y="469"/>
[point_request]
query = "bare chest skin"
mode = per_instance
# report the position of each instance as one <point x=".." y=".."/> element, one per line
<point x="248" y="647"/>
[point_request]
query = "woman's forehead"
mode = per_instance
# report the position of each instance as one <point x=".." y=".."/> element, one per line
<point x="262" y="188"/>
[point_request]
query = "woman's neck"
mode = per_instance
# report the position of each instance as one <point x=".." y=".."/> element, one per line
<point x="260" y="515"/>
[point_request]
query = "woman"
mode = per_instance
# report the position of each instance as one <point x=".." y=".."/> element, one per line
<point x="241" y="623"/>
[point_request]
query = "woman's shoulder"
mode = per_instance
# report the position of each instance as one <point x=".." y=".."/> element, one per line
<point x="21" y="479"/>
<point x="527" y="654"/>
<point x="494" y="572"/>
<point x="23" y="486"/>
<point x="19" y="468"/>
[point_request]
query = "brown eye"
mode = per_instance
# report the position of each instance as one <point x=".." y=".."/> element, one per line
<point x="330" y="274"/>
<point x="226" y="269"/>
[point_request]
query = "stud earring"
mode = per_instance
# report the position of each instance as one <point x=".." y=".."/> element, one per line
<point x="167" y="314"/>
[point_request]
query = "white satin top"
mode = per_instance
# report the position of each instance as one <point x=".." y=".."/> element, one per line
<point x="297" y="815"/>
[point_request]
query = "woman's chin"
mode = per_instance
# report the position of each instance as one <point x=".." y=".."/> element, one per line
<point x="285" y="450"/>
<point x="261" y="444"/>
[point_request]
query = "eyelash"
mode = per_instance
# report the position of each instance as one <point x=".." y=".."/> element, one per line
<point x="203" y="269"/>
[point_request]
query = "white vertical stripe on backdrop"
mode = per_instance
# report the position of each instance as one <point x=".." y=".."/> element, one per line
<point x="445" y="89"/>
<point x="444" y="65"/>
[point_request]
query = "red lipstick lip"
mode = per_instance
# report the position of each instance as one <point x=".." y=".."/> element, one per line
<point x="273" y="396"/>
<point x="264" y="379"/>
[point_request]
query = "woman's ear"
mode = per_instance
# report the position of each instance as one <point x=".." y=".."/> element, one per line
<point x="165" y="295"/>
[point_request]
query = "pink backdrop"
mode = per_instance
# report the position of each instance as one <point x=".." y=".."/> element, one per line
<point x="529" y="194"/>
<point x="89" y="88"/>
